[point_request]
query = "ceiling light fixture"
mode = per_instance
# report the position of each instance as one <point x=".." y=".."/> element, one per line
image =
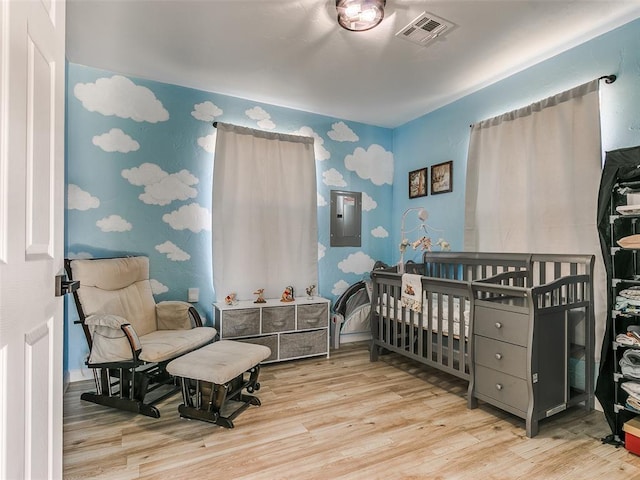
<point x="360" y="15"/>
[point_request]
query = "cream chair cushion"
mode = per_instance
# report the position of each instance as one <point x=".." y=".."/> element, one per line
<point x="219" y="362"/>
<point x="119" y="288"/>
<point x="163" y="345"/>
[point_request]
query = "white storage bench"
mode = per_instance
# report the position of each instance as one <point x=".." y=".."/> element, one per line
<point x="215" y="374"/>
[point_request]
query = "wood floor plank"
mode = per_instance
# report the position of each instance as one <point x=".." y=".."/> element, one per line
<point x="341" y="418"/>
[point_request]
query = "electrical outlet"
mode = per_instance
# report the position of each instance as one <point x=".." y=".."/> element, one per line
<point x="194" y="294"/>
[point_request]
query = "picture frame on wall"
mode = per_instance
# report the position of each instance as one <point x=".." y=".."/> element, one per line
<point x="418" y="183"/>
<point x="442" y="177"/>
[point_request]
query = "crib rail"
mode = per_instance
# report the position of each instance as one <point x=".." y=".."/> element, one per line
<point x="436" y="335"/>
<point x="453" y="283"/>
<point x="471" y="266"/>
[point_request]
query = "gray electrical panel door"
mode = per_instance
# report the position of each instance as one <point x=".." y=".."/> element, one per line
<point x="346" y="218"/>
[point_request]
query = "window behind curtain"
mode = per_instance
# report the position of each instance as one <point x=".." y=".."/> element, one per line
<point x="264" y="212"/>
<point x="532" y="182"/>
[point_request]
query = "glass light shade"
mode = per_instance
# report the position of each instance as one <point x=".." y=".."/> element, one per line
<point x="360" y="15"/>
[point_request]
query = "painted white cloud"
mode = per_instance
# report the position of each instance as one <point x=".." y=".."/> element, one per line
<point x="257" y="113"/>
<point x="375" y="164"/>
<point x="339" y="287"/>
<point x="145" y="174"/>
<point x="261" y="116"/>
<point x="206" y="111"/>
<point x="358" y="263"/>
<point x="208" y="143"/>
<point x="157" y="287"/>
<point x="176" y="186"/>
<point x="173" y="252"/>
<point x="321" y="250"/>
<point x="368" y="203"/>
<point x="78" y="199"/>
<point x="115" y="140"/>
<point x="114" y="223"/>
<point x="333" y="178"/>
<point x="319" y="151"/>
<point x="160" y="187"/>
<point x="379" y="232"/>
<point x="121" y="97"/>
<point x="267" y="124"/>
<point x="322" y="202"/>
<point x="192" y="217"/>
<point x="340" y="132"/>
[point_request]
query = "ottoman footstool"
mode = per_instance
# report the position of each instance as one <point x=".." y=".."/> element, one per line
<point x="214" y="376"/>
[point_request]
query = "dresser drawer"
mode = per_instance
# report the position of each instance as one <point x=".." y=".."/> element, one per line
<point x="507" y="389"/>
<point x="301" y="344"/>
<point x="501" y="325"/>
<point x="313" y="316"/>
<point x="270" y="341"/>
<point x="240" y="323"/>
<point x="278" y="319"/>
<point x="501" y="356"/>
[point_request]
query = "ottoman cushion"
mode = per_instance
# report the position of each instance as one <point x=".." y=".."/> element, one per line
<point x="219" y="362"/>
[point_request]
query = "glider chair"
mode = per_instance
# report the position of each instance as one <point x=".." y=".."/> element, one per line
<point x="131" y="338"/>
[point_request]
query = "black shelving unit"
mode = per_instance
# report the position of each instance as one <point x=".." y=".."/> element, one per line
<point x="620" y="178"/>
<point x="625" y="273"/>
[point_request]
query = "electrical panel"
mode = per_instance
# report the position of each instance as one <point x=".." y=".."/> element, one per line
<point x="346" y="219"/>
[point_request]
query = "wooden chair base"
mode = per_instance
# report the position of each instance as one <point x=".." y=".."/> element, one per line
<point x="210" y="402"/>
<point x="130" y="390"/>
<point x="216" y="416"/>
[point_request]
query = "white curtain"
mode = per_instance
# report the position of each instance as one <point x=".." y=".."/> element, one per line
<point x="265" y="232"/>
<point x="532" y="182"/>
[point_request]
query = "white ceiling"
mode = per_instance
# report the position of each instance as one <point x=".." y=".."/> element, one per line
<point x="292" y="53"/>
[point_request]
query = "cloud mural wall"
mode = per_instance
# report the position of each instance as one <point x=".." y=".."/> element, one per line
<point x="121" y="97"/>
<point x="140" y="169"/>
<point x="115" y="140"/>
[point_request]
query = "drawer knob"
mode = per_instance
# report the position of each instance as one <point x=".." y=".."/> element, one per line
<point x="498" y="356"/>
<point x="498" y="386"/>
<point x="498" y="325"/>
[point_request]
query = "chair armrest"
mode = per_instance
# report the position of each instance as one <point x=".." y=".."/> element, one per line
<point x="106" y="320"/>
<point x="177" y="315"/>
<point x="113" y="339"/>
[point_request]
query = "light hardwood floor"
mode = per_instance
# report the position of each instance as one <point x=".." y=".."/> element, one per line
<point x="342" y="417"/>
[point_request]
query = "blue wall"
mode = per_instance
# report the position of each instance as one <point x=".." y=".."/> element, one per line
<point x="178" y="141"/>
<point x="139" y="178"/>
<point x="444" y="134"/>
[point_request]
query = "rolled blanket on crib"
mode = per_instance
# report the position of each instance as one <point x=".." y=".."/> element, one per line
<point x="412" y="292"/>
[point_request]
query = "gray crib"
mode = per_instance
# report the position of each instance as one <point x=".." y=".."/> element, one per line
<point x="518" y="327"/>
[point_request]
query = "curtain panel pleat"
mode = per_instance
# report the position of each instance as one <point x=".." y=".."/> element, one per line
<point x="532" y="182"/>
<point x="264" y="213"/>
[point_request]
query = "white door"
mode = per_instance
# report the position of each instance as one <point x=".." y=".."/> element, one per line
<point x="32" y="36"/>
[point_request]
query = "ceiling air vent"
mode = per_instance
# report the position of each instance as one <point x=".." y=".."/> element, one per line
<point x="424" y="28"/>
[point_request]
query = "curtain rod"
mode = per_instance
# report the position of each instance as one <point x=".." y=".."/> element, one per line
<point x="284" y="137"/>
<point x="607" y="79"/>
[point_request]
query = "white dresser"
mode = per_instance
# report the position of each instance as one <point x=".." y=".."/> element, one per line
<point x="291" y="330"/>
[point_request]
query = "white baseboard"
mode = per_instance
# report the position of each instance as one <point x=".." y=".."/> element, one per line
<point x="355" y="337"/>
<point x="78" y="375"/>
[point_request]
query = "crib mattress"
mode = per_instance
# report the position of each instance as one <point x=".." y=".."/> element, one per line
<point x="405" y="314"/>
